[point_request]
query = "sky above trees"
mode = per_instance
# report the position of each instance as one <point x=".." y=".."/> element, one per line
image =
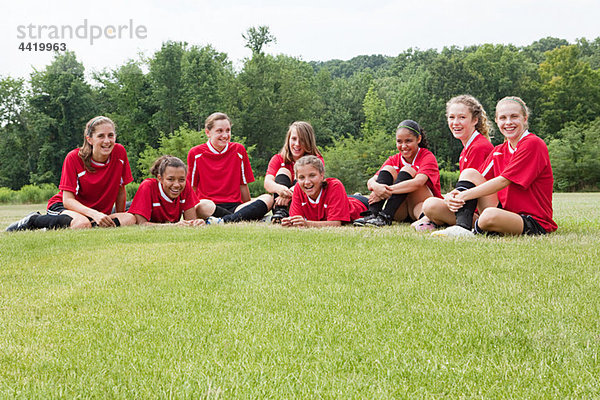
<point x="311" y="29"/>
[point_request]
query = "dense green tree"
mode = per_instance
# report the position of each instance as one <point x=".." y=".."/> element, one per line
<point x="570" y="89"/>
<point x="257" y="38"/>
<point x="205" y="73"/>
<point x="273" y="92"/>
<point x="166" y="83"/>
<point x="127" y="98"/>
<point x="575" y="157"/>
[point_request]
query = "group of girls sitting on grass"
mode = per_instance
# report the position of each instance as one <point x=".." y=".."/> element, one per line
<point x="505" y="189"/>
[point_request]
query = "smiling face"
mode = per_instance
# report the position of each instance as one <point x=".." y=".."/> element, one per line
<point x="511" y="120"/>
<point x="102" y="140"/>
<point x="461" y="122"/>
<point x="297" y="150"/>
<point x="220" y="134"/>
<point x="310" y="180"/>
<point x="407" y="143"/>
<point x="172" y="181"/>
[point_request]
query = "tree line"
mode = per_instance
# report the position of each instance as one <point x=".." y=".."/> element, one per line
<point x="159" y="104"/>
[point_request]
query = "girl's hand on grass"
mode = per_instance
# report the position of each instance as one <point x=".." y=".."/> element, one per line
<point x="191" y="222"/>
<point x="295" y="221"/>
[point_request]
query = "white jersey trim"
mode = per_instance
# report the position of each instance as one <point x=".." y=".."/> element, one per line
<point x="487" y="169"/>
<point x="510" y="148"/>
<point x="212" y="149"/>
<point x="243" y="172"/>
<point x="406" y="163"/>
<point x="473" y="136"/>
<point x="318" y="199"/>
<point x="99" y="164"/>
<point x="79" y="175"/>
<point x="194" y="169"/>
<point x="163" y="194"/>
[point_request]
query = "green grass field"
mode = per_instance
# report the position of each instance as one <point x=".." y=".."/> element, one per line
<point x="257" y="311"/>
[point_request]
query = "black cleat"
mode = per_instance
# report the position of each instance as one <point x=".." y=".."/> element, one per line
<point x="278" y="215"/>
<point x="363" y="220"/>
<point x="380" y="220"/>
<point x="23" y="224"/>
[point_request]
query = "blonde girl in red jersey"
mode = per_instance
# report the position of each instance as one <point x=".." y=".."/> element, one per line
<point x="513" y="187"/>
<point x="219" y="172"/>
<point x="319" y="201"/>
<point x="166" y="198"/>
<point x="404" y="181"/>
<point x="468" y="123"/>
<point x="92" y="182"/>
<point x="280" y="179"/>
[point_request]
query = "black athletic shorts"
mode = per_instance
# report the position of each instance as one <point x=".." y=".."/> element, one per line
<point x="56" y="208"/>
<point x="531" y="226"/>
<point x="361" y="198"/>
<point x="229" y="206"/>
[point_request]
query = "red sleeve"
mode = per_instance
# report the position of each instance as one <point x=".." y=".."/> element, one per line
<point x="338" y="206"/>
<point x="126" y="177"/>
<point x="296" y="205"/>
<point x="193" y="176"/>
<point x="190" y="198"/>
<point x="142" y="201"/>
<point x="478" y="153"/>
<point x="393" y="161"/>
<point x="429" y="167"/>
<point x="248" y="175"/>
<point x="527" y="163"/>
<point x="68" y="176"/>
<point x="487" y="167"/>
<point x="274" y="165"/>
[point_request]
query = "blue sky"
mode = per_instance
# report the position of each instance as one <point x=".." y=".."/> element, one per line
<point x="309" y="29"/>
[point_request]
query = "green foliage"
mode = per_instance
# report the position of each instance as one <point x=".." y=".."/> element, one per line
<point x="257" y="187"/>
<point x="257" y="38"/>
<point x="28" y="194"/>
<point x="448" y="180"/>
<point x="575" y="157"/>
<point x="570" y="89"/>
<point x="355" y="160"/>
<point x="8" y="196"/>
<point x="132" y="189"/>
<point x="177" y="144"/>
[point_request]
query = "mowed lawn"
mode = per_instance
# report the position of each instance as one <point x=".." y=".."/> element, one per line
<point x="258" y="311"/>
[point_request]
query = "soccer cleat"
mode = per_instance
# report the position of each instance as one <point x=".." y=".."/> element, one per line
<point x="23" y="224"/>
<point x="362" y="221"/>
<point x="214" y="221"/>
<point x="454" y="231"/>
<point x="424" y="225"/>
<point x="278" y="215"/>
<point x="379" y="221"/>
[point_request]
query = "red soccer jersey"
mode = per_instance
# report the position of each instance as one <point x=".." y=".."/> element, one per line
<point x="98" y="189"/>
<point x="528" y="169"/>
<point x="332" y="204"/>
<point x="475" y="152"/>
<point x="277" y="163"/>
<point x="218" y="176"/>
<point x="152" y="203"/>
<point x="424" y="163"/>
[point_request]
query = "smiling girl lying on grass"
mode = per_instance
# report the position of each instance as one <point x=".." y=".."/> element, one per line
<point x="321" y="201"/>
<point x="166" y="198"/>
